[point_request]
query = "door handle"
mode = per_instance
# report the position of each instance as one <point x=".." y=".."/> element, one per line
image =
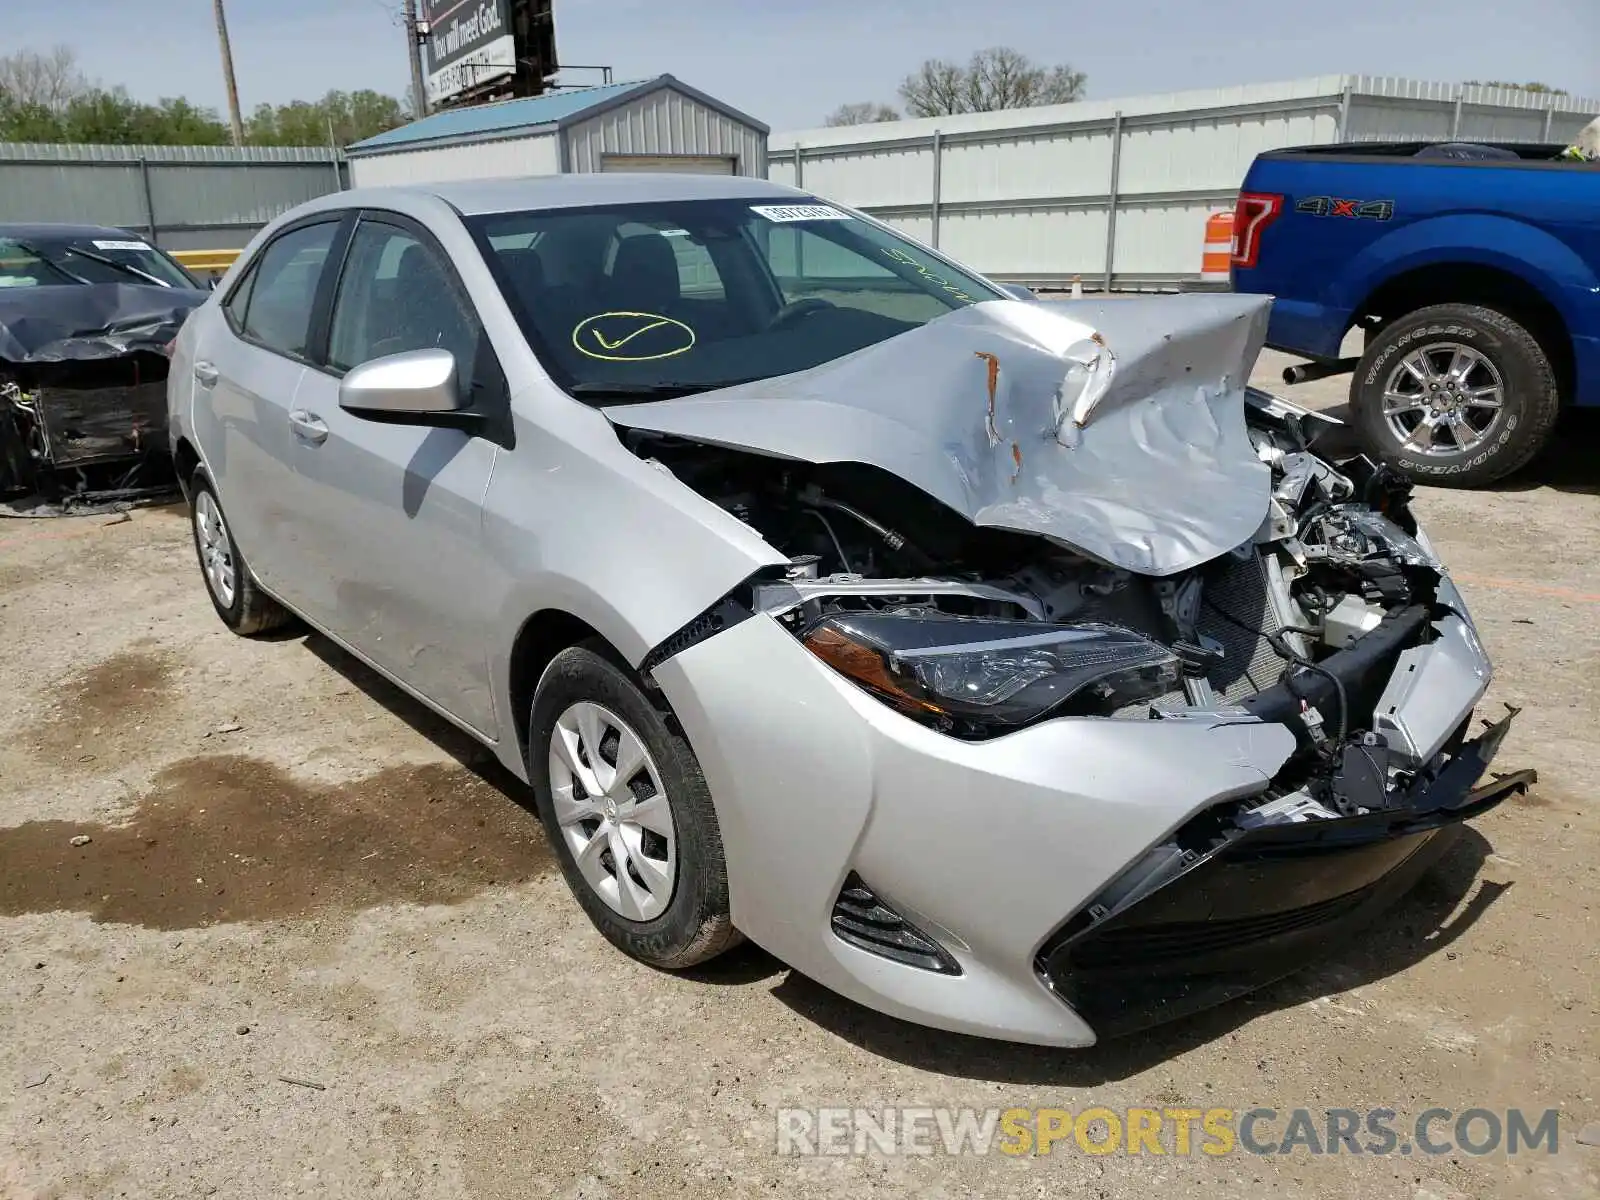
<point x="206" y="374"/>
<point x="308" y="425"/>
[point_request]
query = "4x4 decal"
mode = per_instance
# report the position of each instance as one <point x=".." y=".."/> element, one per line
<point x="1330" y="206"/>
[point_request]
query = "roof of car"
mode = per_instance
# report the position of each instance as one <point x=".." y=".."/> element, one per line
<point x="475" y="197"/>
<point x="37" y="230"/>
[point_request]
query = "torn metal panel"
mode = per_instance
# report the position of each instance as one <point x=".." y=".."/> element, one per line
<point x="1124" y="440"/>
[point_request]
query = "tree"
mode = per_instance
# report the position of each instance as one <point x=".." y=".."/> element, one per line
<point x="27" y="122"/>
<point x="864" y="113"/>
<point x="46" y="98"/>
<point x="1542" y="88"/>
<point x="994" y="79"/>
<point x="352" y="116"/>
<point x="48" y="81"/>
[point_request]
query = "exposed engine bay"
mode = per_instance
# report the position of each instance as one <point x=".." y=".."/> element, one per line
<point x="978" y="632"/>
<point x="83" y="395"/>
<point x="1149" y="612"/>
<point x="85" y="433"/>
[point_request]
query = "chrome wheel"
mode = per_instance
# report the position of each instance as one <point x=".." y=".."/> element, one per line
<point x="1443" y="399"/>
<point x="613" y="811"/>
<point x="216" y="550"/>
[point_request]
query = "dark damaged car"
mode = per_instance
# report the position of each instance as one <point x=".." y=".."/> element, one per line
<point x="86" y="318"/>
<point x="1011" y="668"/>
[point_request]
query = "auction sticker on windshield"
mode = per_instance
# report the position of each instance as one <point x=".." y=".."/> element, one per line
<point x="799" y="212"/>
<point x="108" y="245"/>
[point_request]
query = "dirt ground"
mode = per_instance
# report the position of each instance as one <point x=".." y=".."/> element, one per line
<point x="267" y="927"/>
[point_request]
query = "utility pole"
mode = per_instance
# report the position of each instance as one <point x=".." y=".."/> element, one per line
<point x="227" y="74"/>
<point x="419" y="95"/>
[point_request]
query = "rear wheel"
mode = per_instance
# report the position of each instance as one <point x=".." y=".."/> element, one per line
<point x="1456" y="395"/>
<point x="242" y="605"/>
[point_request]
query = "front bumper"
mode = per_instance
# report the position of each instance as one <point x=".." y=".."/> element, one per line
<point x="1264" y="904"/>
<point x="990" y="849"/>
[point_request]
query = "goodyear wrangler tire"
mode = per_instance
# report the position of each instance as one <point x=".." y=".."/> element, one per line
<point x="1456" y="395"/>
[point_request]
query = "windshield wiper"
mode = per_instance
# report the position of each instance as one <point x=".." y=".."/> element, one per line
<point x="117" y="266"/>
<point x="48" y="261"/>
<point x="659" y="390"/>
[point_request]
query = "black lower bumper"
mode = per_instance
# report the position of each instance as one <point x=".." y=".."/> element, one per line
<point x="1264" y="903"/>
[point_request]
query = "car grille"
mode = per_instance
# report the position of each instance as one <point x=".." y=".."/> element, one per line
<point x="1154" y="944"/>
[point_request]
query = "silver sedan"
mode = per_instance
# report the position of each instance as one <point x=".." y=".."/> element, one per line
<point x="1008" y="667"/>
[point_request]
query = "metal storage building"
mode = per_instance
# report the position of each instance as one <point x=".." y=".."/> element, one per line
<point x="659" y="124"/>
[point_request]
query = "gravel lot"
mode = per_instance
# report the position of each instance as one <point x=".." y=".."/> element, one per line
<point x="315" y="944"/>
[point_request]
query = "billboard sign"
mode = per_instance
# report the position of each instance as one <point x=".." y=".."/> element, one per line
<point x="469" y="43"/>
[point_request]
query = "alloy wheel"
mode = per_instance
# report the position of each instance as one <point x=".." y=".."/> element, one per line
<point x="1443" y="399"/>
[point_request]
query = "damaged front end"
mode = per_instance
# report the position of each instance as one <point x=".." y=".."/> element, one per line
<point x="83" y="401"/>
<point x="1255" y="582"/>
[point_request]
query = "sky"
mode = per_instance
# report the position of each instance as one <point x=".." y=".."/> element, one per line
<point x="789" y="64"/>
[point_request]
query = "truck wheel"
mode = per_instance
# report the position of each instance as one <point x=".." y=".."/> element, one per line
<point x="1456" y="395"/>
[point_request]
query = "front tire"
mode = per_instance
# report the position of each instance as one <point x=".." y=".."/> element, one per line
<point x="627" y="809"/>
<point x="239" y="601"/>
<point x="1455" y="395"/>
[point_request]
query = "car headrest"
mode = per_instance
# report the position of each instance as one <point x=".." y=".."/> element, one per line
<point x="526" y="271"/>
<point x="644" y="274"/>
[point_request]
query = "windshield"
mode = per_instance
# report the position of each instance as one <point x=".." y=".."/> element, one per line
<point x="36" y="262"/>
<point x="645" y="300"/>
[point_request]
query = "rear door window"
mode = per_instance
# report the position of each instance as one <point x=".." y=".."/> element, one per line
<point x="282" y="288"/>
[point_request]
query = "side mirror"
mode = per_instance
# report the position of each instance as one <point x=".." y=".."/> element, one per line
<point x="1018" y="291"/>
<point x="401" y="387"/>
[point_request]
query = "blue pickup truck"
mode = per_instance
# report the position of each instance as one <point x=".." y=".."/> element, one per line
<point x="1473" y="272"/>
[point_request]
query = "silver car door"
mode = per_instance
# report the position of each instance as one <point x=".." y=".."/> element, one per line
<point x="248" y="367"/>
<point x="397" y="532"/>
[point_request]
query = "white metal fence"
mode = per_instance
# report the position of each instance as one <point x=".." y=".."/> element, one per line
<point x="181" y="197"/>
<point x="1117" y="191"/>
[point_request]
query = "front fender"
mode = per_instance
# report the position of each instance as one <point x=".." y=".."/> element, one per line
<point x="575" y="522"/>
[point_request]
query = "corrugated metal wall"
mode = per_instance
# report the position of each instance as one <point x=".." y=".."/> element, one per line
<point x="498" y="158"/>
<point x="184" y="197"/>
<point x="1118" y="191"/>
<point x="665" y="122"/>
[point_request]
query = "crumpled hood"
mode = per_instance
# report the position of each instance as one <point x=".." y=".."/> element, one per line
<point x="88" y="321"/>
<point x="1114" y="428"/>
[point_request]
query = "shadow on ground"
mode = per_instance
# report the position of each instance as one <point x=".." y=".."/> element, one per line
<point x="459" y="745"/>
<point x="1570" y="463"/>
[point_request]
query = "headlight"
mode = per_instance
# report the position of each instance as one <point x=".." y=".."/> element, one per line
<point x="992" y="672"/>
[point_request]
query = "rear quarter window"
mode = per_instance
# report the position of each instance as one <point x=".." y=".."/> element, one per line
<point x="281" y="288"/>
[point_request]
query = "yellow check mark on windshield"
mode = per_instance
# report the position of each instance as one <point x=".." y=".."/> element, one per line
<point x="606" y="344"/>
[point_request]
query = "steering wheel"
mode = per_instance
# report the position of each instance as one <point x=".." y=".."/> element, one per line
<point x="795" y="310"/>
